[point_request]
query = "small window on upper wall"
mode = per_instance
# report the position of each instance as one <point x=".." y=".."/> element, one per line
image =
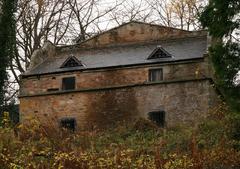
<point x="68" y="83"/>
<point x="155" y="75"/>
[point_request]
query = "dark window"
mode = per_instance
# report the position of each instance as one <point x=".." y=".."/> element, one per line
<point x="155" y="75"/>
<point x="159" y="52"/>
<point x="68" y="83"/>
<point x="157" y="117"/>
<point x="71" y="62"/>
<point x="68" y="123"/>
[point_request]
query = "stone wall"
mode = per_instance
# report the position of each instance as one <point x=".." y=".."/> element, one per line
<point x="103" y="97"/>
<point x="183" y="102"/>
<point x="114" y="77"/>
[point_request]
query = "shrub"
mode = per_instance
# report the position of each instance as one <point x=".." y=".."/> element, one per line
<point x="139" y="145"/>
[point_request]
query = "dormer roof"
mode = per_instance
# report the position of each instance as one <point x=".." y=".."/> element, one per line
<point x="71" y="61"/>
<point x="159" y="53"/>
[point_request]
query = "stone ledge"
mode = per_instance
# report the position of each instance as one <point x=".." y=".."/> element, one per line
<point x="115" y="87"/>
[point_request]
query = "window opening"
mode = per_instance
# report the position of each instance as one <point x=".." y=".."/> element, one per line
<point x="68" y="123"/>
<point x="68" y="83"/>
<point x="155" y="75"/>
<point x="157" y="117"/>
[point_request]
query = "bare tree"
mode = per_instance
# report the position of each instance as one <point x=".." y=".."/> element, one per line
<point x="38" y="21"/>
<point x="56" y="20"/>
<point x="186" y="13"/>
<point x="162" y="12"/>
<point x="131" y="10"/>
<point x="88" y="16"/>
<point x="181" y="14"/>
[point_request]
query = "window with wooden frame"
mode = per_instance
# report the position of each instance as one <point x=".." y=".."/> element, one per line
<point x="68" y="83"/>
<point x="155" y="75"/>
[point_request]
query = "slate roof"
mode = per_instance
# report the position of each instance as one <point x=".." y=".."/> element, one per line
<point x="180" y="49"/>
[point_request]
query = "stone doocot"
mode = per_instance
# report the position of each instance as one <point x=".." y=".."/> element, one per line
<point x="107" y="95"/>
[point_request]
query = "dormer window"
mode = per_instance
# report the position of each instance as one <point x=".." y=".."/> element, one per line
<point x="72" y="61"/>
<point x="159" y="52"/>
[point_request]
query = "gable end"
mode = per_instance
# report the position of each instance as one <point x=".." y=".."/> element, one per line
<point x="137" y="32"/>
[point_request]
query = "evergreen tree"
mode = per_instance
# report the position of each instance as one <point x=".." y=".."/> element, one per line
<point x="221" y="17"/>
<point x="7" y="41"/>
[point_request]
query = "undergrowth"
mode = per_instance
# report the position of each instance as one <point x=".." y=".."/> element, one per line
<point x="214" y="144"/>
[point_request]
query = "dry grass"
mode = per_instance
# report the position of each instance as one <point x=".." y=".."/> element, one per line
<point x="140" y="145"/>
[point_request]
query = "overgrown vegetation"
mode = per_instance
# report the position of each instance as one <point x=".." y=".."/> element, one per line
<point x="214" y="144"/>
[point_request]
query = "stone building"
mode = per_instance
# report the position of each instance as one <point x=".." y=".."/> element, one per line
<point x="134" y="70"/>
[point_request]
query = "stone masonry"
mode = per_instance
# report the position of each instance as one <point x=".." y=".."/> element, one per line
<point x="106" y="95"/>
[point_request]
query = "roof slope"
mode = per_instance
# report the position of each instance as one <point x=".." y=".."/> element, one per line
<point x="125" y="55"/>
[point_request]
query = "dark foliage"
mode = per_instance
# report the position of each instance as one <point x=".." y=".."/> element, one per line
<point x="7" y="41"/>
<point x="221" y="18"/>
<point x="226" y="62"/>
<point x="13" y="110"/>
